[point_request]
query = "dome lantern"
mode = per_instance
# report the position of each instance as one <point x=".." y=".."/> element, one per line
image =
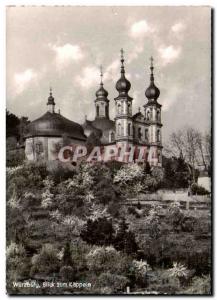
<point x="123" y="85"/>
<point x="152" y="92"/>
<point x="101" y="93"/>
<point x="50" y="102"/>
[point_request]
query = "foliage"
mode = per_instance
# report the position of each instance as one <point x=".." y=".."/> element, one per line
<point x="109" y="283"/>
<point x="200" y="286"/>
<point x="128" y="175"/>
<point x="107" y="259"/>
<point x="125" y="239"/>
<point x="46" y="261"/>
<point x="67" y="273"/>
<point x="98" y="232"/>
<point x="198" y="190"/>
<point x="73" y="230"/>
<point x="178" y="270"/>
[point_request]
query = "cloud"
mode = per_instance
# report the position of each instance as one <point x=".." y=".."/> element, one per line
<point x="178" y="27"/>
<point x="67" y="53"/>
<point x="171" y="96"/>
<point x="140" y="29"/>
<point x="90" y="77"/>
<point x="138" y="49"/>
<point x="169" y="54"/>
<point x="22" y="80"/>
<point x="112" y="71"/>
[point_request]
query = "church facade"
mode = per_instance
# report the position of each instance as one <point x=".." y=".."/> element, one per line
<point x="46" y="135"/>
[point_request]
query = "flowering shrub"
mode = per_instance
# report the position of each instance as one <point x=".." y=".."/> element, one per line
<point x="141" y="268"/>
<point x="107" y="259"/>
<point x="129" y="174"/>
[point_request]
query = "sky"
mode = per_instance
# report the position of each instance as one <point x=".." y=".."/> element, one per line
<point x="63" y="48"/>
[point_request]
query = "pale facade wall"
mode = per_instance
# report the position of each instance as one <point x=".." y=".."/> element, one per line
<point x="49" y="148"/>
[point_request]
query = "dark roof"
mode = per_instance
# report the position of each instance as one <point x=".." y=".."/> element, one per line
<point x="88" y="126"/>
<point x="103" y="123"/>
<point x="53" y="124"/>
<point x="138" y="114"/>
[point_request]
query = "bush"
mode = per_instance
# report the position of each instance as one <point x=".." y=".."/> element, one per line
<point x="198" y="190"/>
<point x="46" y="261"/>
<point x="98" y="232"/>
<point x="67" y="273"/>
<point x="111" y="282"/>
<point x="107" y="259"/>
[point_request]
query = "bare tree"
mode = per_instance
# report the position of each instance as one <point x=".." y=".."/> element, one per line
<point x="192" y="146"/>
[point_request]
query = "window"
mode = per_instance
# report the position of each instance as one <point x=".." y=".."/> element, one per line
<point x="139" y="132"/>
<point x="148" y="115"/>
<point x="119" y="109"/>
<point x="129" y="129"/>
<point x="128" y="108"/>
<point x="158" y="136"/>
<point x="119" y="129"/>
<point x="158" y="115"/>
<point x="112" y="137"/>
<point x="38" y="147"/>
<point x="97" y="111"/>
<point x="146" y="134"/>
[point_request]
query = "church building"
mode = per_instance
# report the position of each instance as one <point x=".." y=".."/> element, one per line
<point x="46" y="135"/>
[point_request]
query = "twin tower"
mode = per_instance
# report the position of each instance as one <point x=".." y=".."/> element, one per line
<point x="142" y="129"/>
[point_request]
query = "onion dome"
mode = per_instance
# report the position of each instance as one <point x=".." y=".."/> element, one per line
<point x="123" y="85"/>
<point x="152" y="91"/>
<point x="101" y="93"/>
<point x="50" y="100"/>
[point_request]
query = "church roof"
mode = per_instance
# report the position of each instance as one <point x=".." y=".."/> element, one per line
<point x="103" y="124"/>
<point x="53" y="124"/>
<point x="138" y="114"/>
<point x="87" y="126"/>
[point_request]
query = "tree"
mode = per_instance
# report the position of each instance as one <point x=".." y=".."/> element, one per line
<point x="67" y="259"/>
<point x="188" y="144"/>
<point x="46" y="261"/>
<point x="98" y="232"/>
<point x="178" y="271"/>
<point x="125" y="239"/>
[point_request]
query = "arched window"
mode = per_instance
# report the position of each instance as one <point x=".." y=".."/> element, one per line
<point x="129" y="129"/>
<point x="112" y="137"/>
<point x="128" y="108"/>
<point x="158" y="115"/>
<point x="146" y="134"/>
<point x="139" y="132"/>
<point x="119" y="129"/>
<point x="148" y="115"/>
<point x="119" y="109"/>
<point x="158" y="135"/>
<point x="97" y="111"/>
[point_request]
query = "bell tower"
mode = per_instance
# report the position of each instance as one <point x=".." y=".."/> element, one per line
<point x="123" y="108"/>
<point x="102" y="102"/>
<point x="152" y="112"/>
